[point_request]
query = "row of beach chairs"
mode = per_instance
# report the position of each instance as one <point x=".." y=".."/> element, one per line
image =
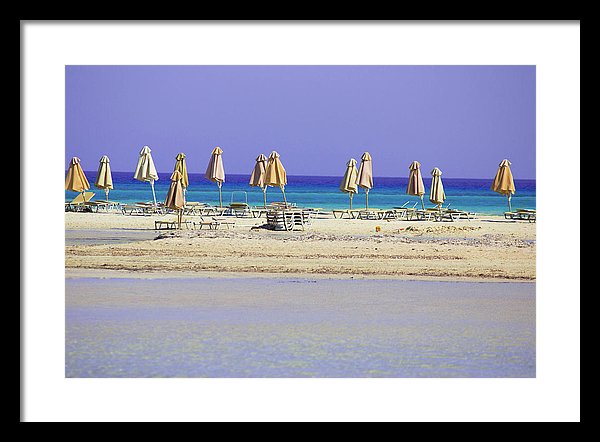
<point x="522" y="214"/>
<point x="407" y="213"/>
<point x="212" y="223"/>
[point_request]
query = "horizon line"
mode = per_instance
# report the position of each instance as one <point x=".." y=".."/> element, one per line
<point x="321" y="176"/>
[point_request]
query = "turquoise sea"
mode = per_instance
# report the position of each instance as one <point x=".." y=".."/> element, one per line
<point x="321" y="191"/>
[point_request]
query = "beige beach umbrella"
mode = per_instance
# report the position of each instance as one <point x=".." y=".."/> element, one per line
<point x="503" y="181"/>
<point x="104" y="176"/>
<point x="215" y="171"/>
<point x="175" y="195"/>
<point x="181" y="166"/>
<point x="275" y="174"/>
<point x="436" y="194"/>
<point x="76" y="180"/>
<point x="348" y="184"/>
<point x="257" y="179"/>
<point x="365" y="175"/>
<point x="145" y="170"/>
<point x="415" y="182"/>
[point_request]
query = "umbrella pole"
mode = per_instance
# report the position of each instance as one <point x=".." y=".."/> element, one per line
<point x="283" y="191"/>
<point x="351" y="195"/>
<point x="184" y="190"/>
<point x="422" y="203"/>
<point x="509" y="208"/>
<point x="106" y="192"/>
<point x="265" y="195"/>
<point x="179" y="217"/>
<point x="220" y="195"/>
<point x="367" y="191"/>
<point x="153" y="193"/>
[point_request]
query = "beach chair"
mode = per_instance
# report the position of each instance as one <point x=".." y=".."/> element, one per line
<point x="134" y="209"/>
<point x="193" y="208"/>
<point x="77" y="204"/>
<point x="204" y="223"/>
<point x="521" y="214"/>
<point x="222" y="221"/>
<point x="341" y="213"/>
<point x="172" y="224"/>
<point x="239" y="209"/>
<point x="257" y="212"/>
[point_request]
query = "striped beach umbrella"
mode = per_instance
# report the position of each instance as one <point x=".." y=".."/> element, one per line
<point x="257" y="179"/>
<point x="104" y="176"/>
<point x="503" y="181"/>
<point x="348" y="184"/>
<point x="215" y="171"/>
<point x="365" y="175"/>
<point x="275" y="175"/>
<point x="415" y="182"/>
<point x="145" y="170"/>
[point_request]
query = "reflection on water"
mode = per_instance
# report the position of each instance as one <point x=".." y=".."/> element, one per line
<point x="260" y="327"/>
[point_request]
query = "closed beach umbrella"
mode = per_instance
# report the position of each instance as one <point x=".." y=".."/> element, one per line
<point x="175" y="195"/>
<point x="365" y="175"/>
<point x="348" y="184"/>
<point x="275" y="174"/>
<point x="215" y="171"/>
<point x="436" y="194"/>
<point x="257" y="179"/>
<point x="145" y="170"/>
<point x="182" y="168"/>
<point x="503" y="181"/>
<point x="76" y="180"/>
<point x="104" y="177"/>
<point x="415" y="182"/>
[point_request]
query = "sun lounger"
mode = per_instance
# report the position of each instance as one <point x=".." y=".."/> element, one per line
<point x="223" y="221"/>
<point x="521" y="214"/>
<point x="369" y="214"/>
<point x="204" y="223"/>
<point x="134" y="209"/>
<point x="239" y="209"/>
<point x="77" y="204"/>
<point x="171" y="224"/>
<point x="193" y="208"/>
<point x="257" y="212"/>
<point x="288" y="219"/>
<point x="341" y="213"/>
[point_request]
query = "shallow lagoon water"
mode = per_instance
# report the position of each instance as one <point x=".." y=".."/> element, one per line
<point x="298" y="327"/>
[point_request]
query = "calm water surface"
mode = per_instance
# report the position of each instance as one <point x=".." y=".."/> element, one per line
<point x="296" y="327"/>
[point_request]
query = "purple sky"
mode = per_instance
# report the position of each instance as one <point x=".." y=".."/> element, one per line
<point x="462" y="119"/>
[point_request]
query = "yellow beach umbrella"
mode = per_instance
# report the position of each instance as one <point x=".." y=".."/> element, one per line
<point x="182" y="168"/>
<point x="145" y="170"/>
<point x="275" y="174"/>
<point x="348" y="184"/>
<point x="76" y="180"/>
<point x="503" y="181"/>
<point x="215" y="171"/>
<point x="436" y="194"/>
<point x="175" y="195"/>
<point x="104" y="176"/>
<point x="415" y="182"/>
<point x="365" y="175"/>
<point x="257" y="179"/>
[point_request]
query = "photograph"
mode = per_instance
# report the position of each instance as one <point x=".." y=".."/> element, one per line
<point x="300" y="220"/>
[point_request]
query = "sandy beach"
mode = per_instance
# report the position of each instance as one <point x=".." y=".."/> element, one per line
<point x="488" y="248"/>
